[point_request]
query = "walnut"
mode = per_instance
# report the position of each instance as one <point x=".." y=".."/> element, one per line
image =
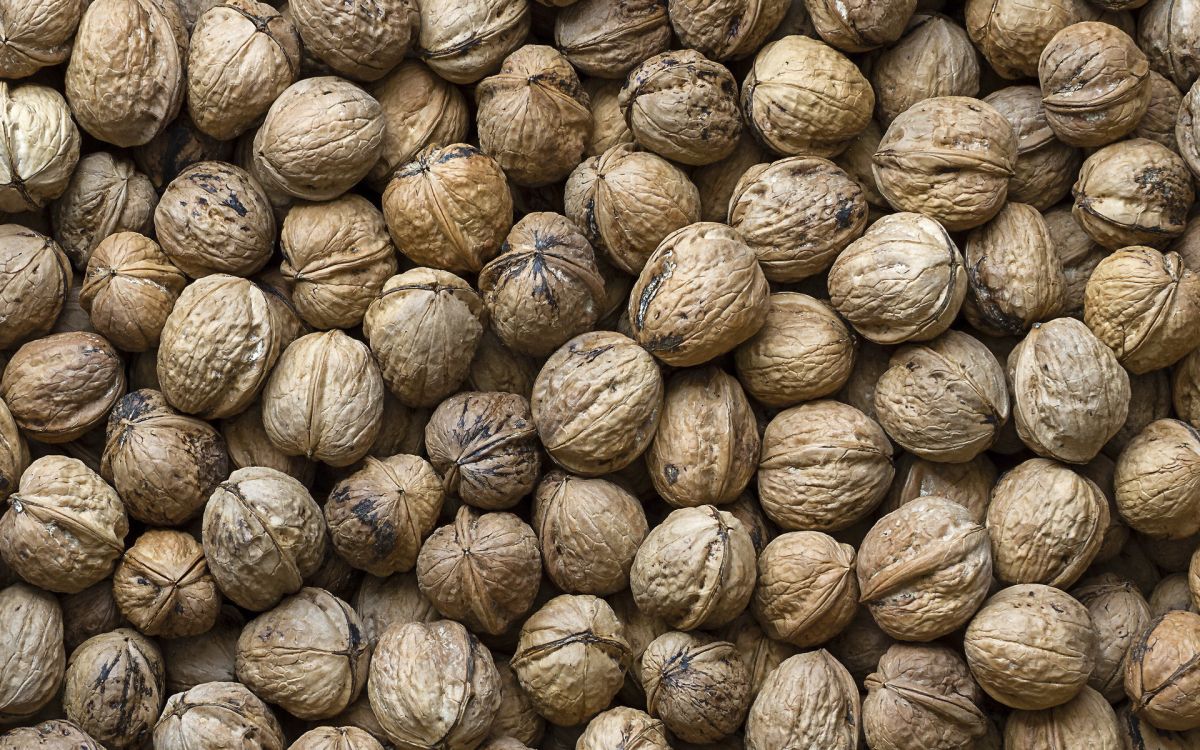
<point x="747" y="510"/>
<point x="608" y="123"/>
<point x="1155" y="480"/>
<point x="923" y="696"/>
<point x="40" y="143"/>
<point x="1162" y="671"/>
<point x="759" y="653"/>
<point x="1171" y="593"/>
<point x="933" y="58"/>
<point x="32" y="649"/>
<point x="1135" y="192"/>
<point x="825" y="466"/>
<point x="395" y="600"/>
<point x="607" y="40"/>
<point x="623" y="727"/>
<point x="968" y="484"/>
<point x="806" y="591"/>
<point x="1011" y="290"/>
<point x="35" y="276"/>
<point x="56" y="734"/>
<point x="465" y="41"/>
<point x="1078" y="253"/>
<point x="861" y="25"/>
<point x="14" y="453"/>
<point x="320" y="137"/>
<point x="222" y="712"/>
<point x="1011" y="34"/>
<point x="37" y="35"/>
<point x="697" y="685"/>
<point x="1168" y="32"/>
<point x="125" y="77"/>
<point x="248" y="445"/>
<point x="857" y="160"/>
<point x="626" y="202"/>
<point x="516" y="718"/>
<point x="683" y="107"/>
<point x="362" y="40"/>
<point x="1087" y="719"/>
<point x="1135" y="732"/>
<point x="571" y="658"/>
<point x="420" y="109"/>
<point x="728" y="29"/>
<point x="1158" y="124"/>
<point x="340" y="738"/>
<point x="180" y="145"/>
<point x="1119" y="614"/>
<point x="89" y="612"/>
<point x="1031" y="647"/>
<point x="163" y="586"/>
<point x="861" y="645"/>
<point x="804" y="97"/>
<point x="809" y="700"/>
<point x="1070" y="395"/>
<point x="106" y="194"/>
<point x="695" y="569"/>
<point x="263" y="535"/>
<point x="129" y="290"/>
<point x="1046" y="167"/>
<point x="243" y="55"/>
<point x="208" y="657"/>
<point x="114" y="688"/>
<point x="433" y="685"/>
<point x="949" y="157"/>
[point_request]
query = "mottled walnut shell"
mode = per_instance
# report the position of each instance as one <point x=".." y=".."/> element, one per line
<point x="1169" y="34"/>
<point x="88" y="613"/>
<point x="1157" y="480"/>
<point x="809" y="701"/>
<point x="1171" y="593"/>
<point x="163" y="586"/>
<point x="180" y="145"/>
<point x="320" y="137"/>
<point x="1087" y="720"/>
<point x="697" y="685"/>
<point x="683" y="107"/>
<point x="248" y="445"/>
<point x="465" y="41"/>
<point x="933" y="58"/>
<point x="1119" y="614"/>
<point x="1138" y="734"/>
<point x="223" y="713"/>
<point x="922" y="696"/>
<point x="627" y="201"/>
<point x="40" y="146"/>
<point x="945" y="400"/>
<point x="483" y="570"/>
<point x="759" y="653"/>
<point x="695" y="569"/>
<point x="950" y="158"/>
<point x="1070" y="395"/>
<point x="516" y="718"/>
<point x="242" y="56"/>
<point x="1162" y="114"/>
<point x="129" y="290"/>
<point x="35" y="276"/>
<point x="726" y="29"/>
<point x="544" y="288"/>
<point x="106" y="195"/>
<point x="37" y="35"/>
<point x="825" y="466"/>
<point x="263" y="535"/>
<point x="423" y="329"/>
<point x="1046" y="167"/>
<point x="804" y="97"/>
<point x="1095" y="83"/>
<point x="533" y="116"/>
<point x="806" y="591"/>
<point x="859" y="25"/>
<point x="1163" y="670"/>
<point x="608" y="39"/>
<point x="571" y="658"/>
<point x="1135" y="192"/>
<point x="363" y="40"/>
<point x="1031" y="647"/>
<point x="209" y="657"/>
<point x="114" y="688"/>
<point x="307" y="655"/>
<point x="623" y="727"/>
<point x="608" y="123"/>
<point x="339" y="738"/>
<point x="56" y="734"/>
<point x="31" y="623"/>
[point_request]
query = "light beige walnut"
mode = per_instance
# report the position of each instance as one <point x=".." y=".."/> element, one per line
<point x="208" y="657"/>
<point x="516" y="718"/>
<point x="934" y="57"/>
<point x="608" y="39"/>
<point x="697" y="685"/>
<point x="37" y="35"/>
<point x="1134" y="192"/>
<point x="129" y="290"/>
<point x="106" y="194"/>
<point x="420" y="109"/>
<point x="32" y="647"/>
<point x="35" y="277"/>
<point x="859" y="25"/>
<point x="923" y="696"/>
<point x="1157" y="480"/>
<point x="361" y="40"/>
<point x="1120" y="614"/>
<point x="810" y="700"/>
<point x="608" y="123"/>
<point x="1046" y="167"/>
<point x="1086" y="720"/>
<point x="1162" y="671"/>
<point x="1162" y="114"/>
<point x="395" y="600"/>
<point x="336" y="738"/>
<point x="1011" y="34"/>
<point x="248" y="445"/>
<point x="623" y="727"/>
<point x="163" y="586"/>
<point x="727" y="29"/>
<point x="14" y="453"/>
<point x="121" y="663"/>
<point x="806" y="591"/>
<point x="220" y="712"/>
<point x="40" y="145"/>
<point x="55" y="734"/>
<point x="465" y="41"/>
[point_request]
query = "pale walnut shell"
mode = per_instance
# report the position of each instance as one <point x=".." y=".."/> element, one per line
<point x="706" y="448"/>
<point x="1031" y="647"/>
<point x="727" y="29"/>
<point x="420" y="109"/>
<point x="1046" y="167"/>
<point x="129" y="289"/>
<point x="571" y="658"/>
<point x="1095" y="83"/>
<point x="320" y="137"/>
<point x="248" y="445"/>
<point x="695" y="569"/>
<point x="804" y="97"/>
<point x="516" y="718"/>
<point x="433" y="686"/>
<point x="1163" y="670"/>
<point x="384" y="602"/>
<point x="1087" y="720"/>
<point x="450" y="208"/>
<point x="1157" y="480"/>
<point x="683" y="107"/>
<point x="639" y="629"/>
<point x="870" y="361"/>
<point x="797" y="215"/>
<point x="626" y="202"/>
<point x="1078" y="253"/>
<point x="968" y="484"/>
<point x="623" y="727"/>
<point x="607" y="39"/>
<point x="1070" y="395"/>
<point x="825" y="466"/>
<point x="945" y="400"/>
<point x="307" y="655"/>
<point x="904" y="280"/>
<point x="596" y="403"/>
<point x="224" y="712"/>
<point x="163" y="586"/>
<point x="810" y="700"/>
<point x="608" y="123"/>
<point x="35" y="276"/>
<point x="700" y="294"/>
<point x="1150" y="399"/>
<point x="589" y="531"/>
<point x="923" y="696"/>
<point x="56" y="734"/>
<point x="40" y="145"/>
<point x="423" y="329"/>
<point x="125" y="79"/>
<point x="806" y="591"/>
<point x="544" y="288"/>
<point x="1162" y="114"/>
<point x="37" y="35"/>
<point x="263" y="535"/>
<point x="697" y="685"/>
<point x="362" y="41"/>
<point x="1120" y="614"/>
<point x="165" y="465"/>
<point x="208" y="657"/>
<point x="1169" y="34"/>
<point x="1171" y="593"/>
<point x="533" y="116"/>
<point x="120" y="663"/>
<point x="106" y="195"/>
<point x="32" y="647"/>
<point x="860" y="25"/>
<point x="950" y="158"/>
<point x="465" y="41"/>
<point x="924" y="569"/>
<point x="933" y="58"/>
<point x="243" y="55"/>
<point x="1145" y="306"/>
<point x="339" y="738"/>
<point x="1184" y="392"/>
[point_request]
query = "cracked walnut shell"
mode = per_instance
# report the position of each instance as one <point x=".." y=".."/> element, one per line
<point x="164" y="588"/>
<point x="129" y="289"/>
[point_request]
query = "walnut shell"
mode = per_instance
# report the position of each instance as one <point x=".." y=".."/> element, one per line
<point x="516" y="718"/>
<point x="1070" y="395"/>
<point x="423" y="329"/>
<point x="14" y="452"/>
<point x="433" y="685"/>
<point x="806" y="591"/>
<point x="683" y="107"/>
<point x="40" y="144"/>
<point x="695" y="569"/>
<point x="222" y="713"/>
<point x="810" y="700"/>
<point x="182" y="144"/>
<point x="1162" y="671"/>
<point x="759" y="653"/>
<point x="35" y="276"/>
<point x="32" y="647"/>
<point x="1085" y="721"/>
<point x="968" y="484"/>
<point x="125" y="77"/>
<point x="1168" y="32"/>
<point x="728" y="29"/>
<point x="465" y="41"/>
<point x="825" y="466"/>
<point x="129" y="290"/>
<point x="209" y="657"/>
<point x="859" y="25"/>
<point x="362" y="41"/>
<point x="933" y="58"/>
<point x="1155" y="480"/>
<point x="625" y="728"/>
<point x="37" y="35"/>
<point x="608" y="123"/>
<point x="922" y="696"/>
<point x="65" y="528"/>
<point x="263" y="535"/>
<point x="320" y="137"/>
<point x="1171" y="593"/>
<point x="485" y="447"/>
<point x="1120" y="614"/>
<point x="1161" y="118"/>
<point x="697" y="685"/>
<point x="804" y="97"/>
<point x="106" y="194"/>
<point x="608" y="40"/>
<point x="1031" y="647"/>
<point x="56" y="734"/>
<point x="114" y="688"/>
<point x="163" y="586"/>
<point x="861" y="645"/>
<point x="395" y="600"/>
<point x="248" y="445"/>
<point x="89" y="612"/>
<point x="1137" y="733"/>
<point x="340" y="738"/>
<point x="420" y="109"/>
<point x="1046" y="167"/>
<point x="1078" y="253"/>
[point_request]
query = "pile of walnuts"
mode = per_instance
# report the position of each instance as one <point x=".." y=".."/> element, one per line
<point x="599" y="375"/>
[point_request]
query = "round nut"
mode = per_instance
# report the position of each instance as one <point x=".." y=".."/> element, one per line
<point x="608" y="40"/>
<point x="1162" y="671"/>
<point x="968" y="484"/>
<point x="1120" y="614"/>
<point x="395" y="600"/>
<point x="32" y="647"/>
<point x="420" y="109"/>
<point x="362" y="41"/>
<point x="339" y="738"/>
<point x="810" y="698"/>
<point x="806" y="591"/>
<point x="1168" y="30"/>
<point x="608" y="123"/>
<point x="35" y="277"/>
<point x="623" y="727"/>
<point x="1046" y="167"/>
<point x="727" y="29"/>
<point x="697" y="685"/>
<point x="163" y="586"/>
<point x="923" y="696"/>
<point x="121" y="663"/>
<point x="1162" y="114"/>
<point x="465" y="41"/>
<point x="1157" y="480"/>
<point x="40" y="144"/>
<point x="859" y="26"/>
<point x="106" y="195"/>
<point x="56" y="734"/>
<point x="209" y="657"/>
<point x="933" y="58"/>
<point x="516" y="718"/>
<point x="1085" y="719"/>
<point x="219" y="712"/>
<point x="248" y="445"/>
<point x="37" y="35"/>
<point x="129" y="290"/>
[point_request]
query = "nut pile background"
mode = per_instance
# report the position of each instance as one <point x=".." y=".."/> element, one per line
<point x="599" y="374"/>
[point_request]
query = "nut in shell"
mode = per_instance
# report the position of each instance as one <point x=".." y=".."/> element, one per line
<point x="810" y="698"/>
<point x="623" y="727"/>
<point x="31" y="622"/>
<point x="362" y="40"/>
<point x="465" y="41"/>
<point x="1162" y="671"/>
<point x="106" y="195"/>
<point x="729" y="28"/>
<point x="35" y="277"/>
<point x="40" y="146"/>
<point x="923" y="695"/>
<point x="1120" y="615"/>
<point x="806" y="591"/>
<point x="607" y="40"/>
<point x="220" y="712"/>
<point x="1046" y="166"/>
<point x="129" y="290"/>
<point x="163" y="586"/>
<point x="123" y="663"/>
<point x="696" y="684"/>
<point x="37" y="35"/>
